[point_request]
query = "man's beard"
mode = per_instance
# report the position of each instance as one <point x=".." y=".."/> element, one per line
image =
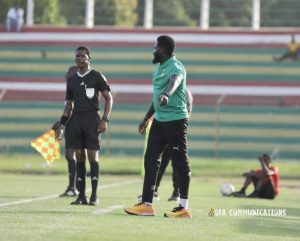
<point x="156" y="59"/>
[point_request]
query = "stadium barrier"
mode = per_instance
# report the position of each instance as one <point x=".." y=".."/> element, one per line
<point x="245" y="103"/>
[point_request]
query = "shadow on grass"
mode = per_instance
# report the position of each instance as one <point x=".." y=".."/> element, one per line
<point x="59" y="172"/>
<point x="32" y="172"/>
<point x="82" y="210"/>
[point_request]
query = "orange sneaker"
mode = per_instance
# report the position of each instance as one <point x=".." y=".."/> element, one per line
<point x="179" y="212"/>
<point x="140" y="209"/>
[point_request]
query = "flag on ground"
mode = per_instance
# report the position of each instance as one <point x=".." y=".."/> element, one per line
<point x="146" y="144"/>
<point x="47" y="146"/>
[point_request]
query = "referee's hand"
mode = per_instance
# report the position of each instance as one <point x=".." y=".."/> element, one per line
<point x="102" y="126"/>
<point x="59" y="132"/>
<point x="55" y="126"/>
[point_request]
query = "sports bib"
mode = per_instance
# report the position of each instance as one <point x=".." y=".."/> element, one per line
<point x="90" y="92"/>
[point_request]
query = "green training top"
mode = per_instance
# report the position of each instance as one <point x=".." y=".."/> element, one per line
<point x="176" y="108"/>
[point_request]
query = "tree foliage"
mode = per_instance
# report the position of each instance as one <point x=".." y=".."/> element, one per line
<point x="223" y="13"/>
<point x="125" y="12"/>
<point x="115" y="12"/>
<point x="280" y="13"/>
<point x="230" y="13"/>
<point x="73" y="11"/>
<point x="105" y="12"/>
<point x="171" y="12"/>
<point x="48" y="12"/>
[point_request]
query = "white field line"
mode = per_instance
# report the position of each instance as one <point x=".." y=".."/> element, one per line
<point x="53" y="196"/>
<point x="103" y="211"/>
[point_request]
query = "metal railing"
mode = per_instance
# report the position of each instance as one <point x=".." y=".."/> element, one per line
<point x="202" y="14"/>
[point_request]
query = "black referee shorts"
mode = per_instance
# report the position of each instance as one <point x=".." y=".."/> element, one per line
<point x="82" y="131"/>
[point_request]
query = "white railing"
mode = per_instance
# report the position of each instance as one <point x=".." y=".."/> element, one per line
<point x="148" y="89"/>
<point x="148" y="14"/>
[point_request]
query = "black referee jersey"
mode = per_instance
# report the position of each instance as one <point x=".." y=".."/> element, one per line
<point x="84" y="90"/>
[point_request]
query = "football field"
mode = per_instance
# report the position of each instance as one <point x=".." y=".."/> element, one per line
<point x="30" y="209"/>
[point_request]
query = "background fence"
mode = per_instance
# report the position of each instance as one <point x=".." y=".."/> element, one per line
<point x="180" y="13"/>
<point x="222" y="124"/>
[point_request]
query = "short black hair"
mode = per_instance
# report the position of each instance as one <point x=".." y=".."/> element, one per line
<point x="167" y="43"/>
<point x="87" y="50"/>
<point x="266" y="156"/>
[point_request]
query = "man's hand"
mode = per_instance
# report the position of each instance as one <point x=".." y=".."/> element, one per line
<point x="102" y="126"/>
<point x="55" y="126"/>
<point x="164" y="99"/>
<point x="59" y="132"/>
<point x="143" y="126"/>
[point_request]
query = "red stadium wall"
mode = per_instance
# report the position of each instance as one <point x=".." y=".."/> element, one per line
<point x="130" y="38"/>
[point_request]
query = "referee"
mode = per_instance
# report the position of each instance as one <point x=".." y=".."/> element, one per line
<point x="85" y="124"/>
<point x="169" y="127"/>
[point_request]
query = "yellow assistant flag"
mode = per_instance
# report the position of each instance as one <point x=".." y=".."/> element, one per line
<point x="47" y="146"/>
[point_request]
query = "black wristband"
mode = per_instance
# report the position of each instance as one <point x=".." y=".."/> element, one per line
<point x="166" y="94"/>
<point x="105" y="119"/>
<point x="147" y="118"/>
<point x="63" y="120"/>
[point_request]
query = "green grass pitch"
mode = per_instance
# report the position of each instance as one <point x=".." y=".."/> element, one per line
<point x="30" y="208"/>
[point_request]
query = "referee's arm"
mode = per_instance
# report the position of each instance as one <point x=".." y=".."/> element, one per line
<point x="64" y="119"/>
<point x="102" y="127"/>
<point x="108" y="103"/>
